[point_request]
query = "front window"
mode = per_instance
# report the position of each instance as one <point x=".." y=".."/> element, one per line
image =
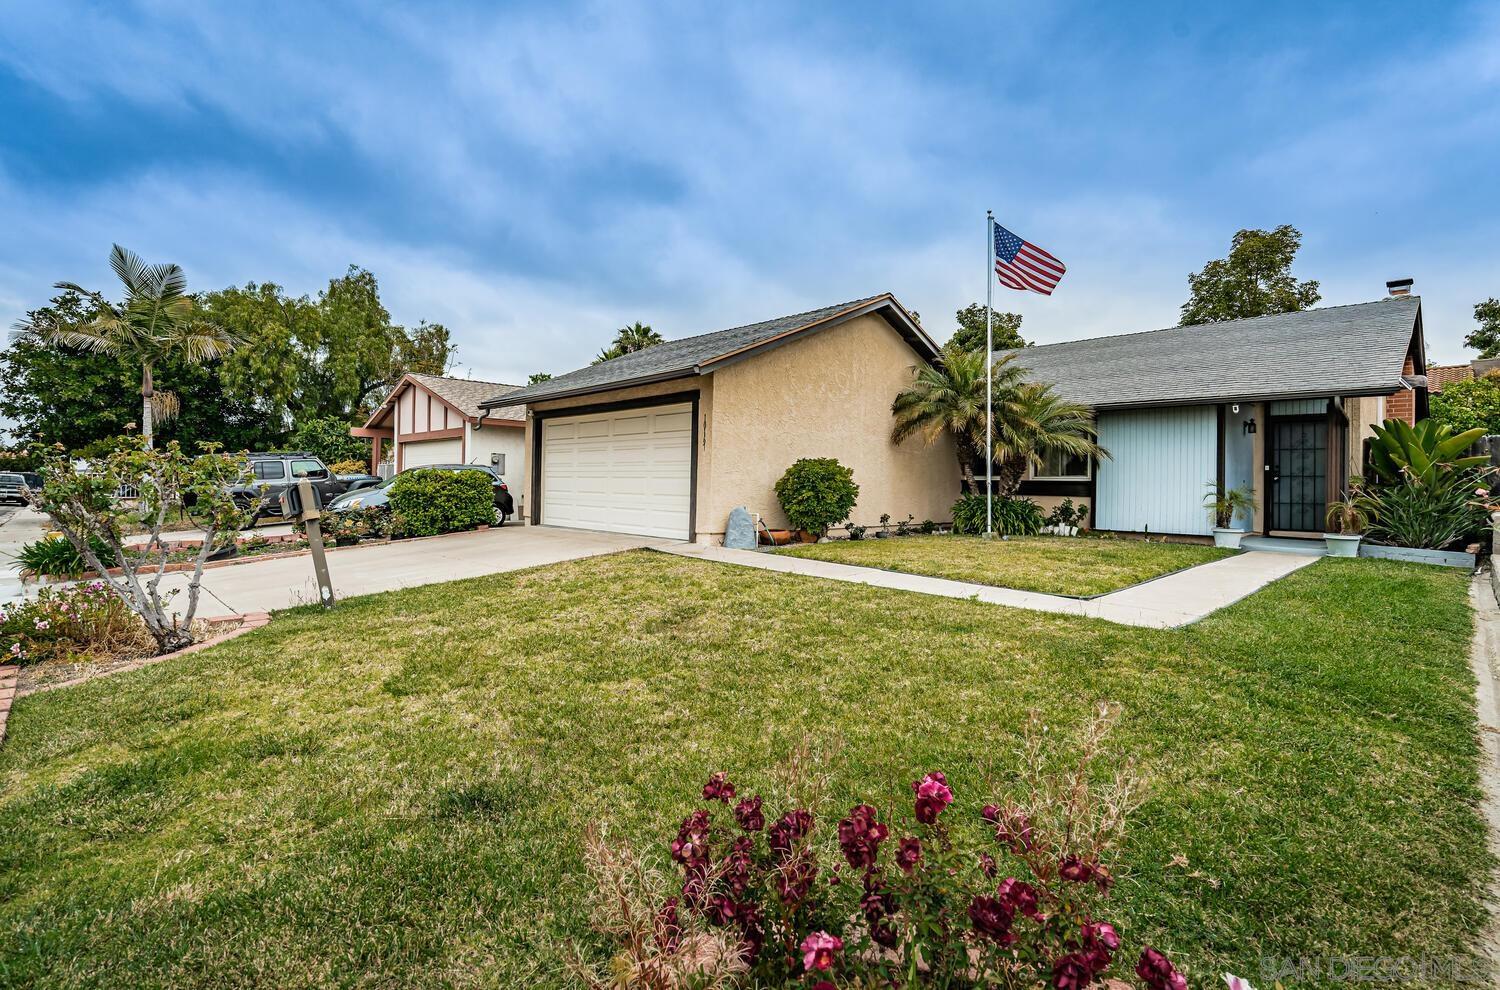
<point x="1058" y="465"/>
<point x="311" y="469"/>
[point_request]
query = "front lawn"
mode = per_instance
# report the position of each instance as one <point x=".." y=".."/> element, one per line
<point x="393" y="794"/>
<point x="1079" y="566"/>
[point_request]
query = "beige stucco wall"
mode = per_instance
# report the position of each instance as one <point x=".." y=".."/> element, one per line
<point x="826" y="395"/>
<point x="1364" y="415"/>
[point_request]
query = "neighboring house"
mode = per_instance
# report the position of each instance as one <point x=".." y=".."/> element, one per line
<point x="1279" y="405"/>
<point x="666" y="441"/>
<point x="429" y="419"/>
<point x="1439" y="375"/>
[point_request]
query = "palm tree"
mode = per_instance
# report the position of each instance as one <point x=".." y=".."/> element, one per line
<point x="636" y="337"/>
<point x="1038" y="421"/>
<point x="156" y="320"/>
<point x="1029" y="418"/>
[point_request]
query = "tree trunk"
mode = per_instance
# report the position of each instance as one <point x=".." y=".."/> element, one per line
<point x="965" y="475"/>
<point x="147" y="392"/>
<point x="1012" y="472"/>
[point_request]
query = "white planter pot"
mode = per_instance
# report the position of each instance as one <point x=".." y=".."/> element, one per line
<point x="1341" y="545"/>
<point x="1228" y="538"/>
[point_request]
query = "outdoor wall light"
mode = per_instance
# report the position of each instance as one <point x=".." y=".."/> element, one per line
<point x="1250" y="425"/>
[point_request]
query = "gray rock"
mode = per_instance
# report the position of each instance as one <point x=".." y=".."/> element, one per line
<point x="740" y="533"/>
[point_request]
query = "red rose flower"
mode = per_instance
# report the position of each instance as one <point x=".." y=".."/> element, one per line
<point x="933" y="796"/>
<point x="991" y="919"/>
<point x="718" y="788"/>
<point x="748" y="816"/>
<point x="860" y="836"/>
<point x="909" y="854"/>
<point x="1158" y="973"/>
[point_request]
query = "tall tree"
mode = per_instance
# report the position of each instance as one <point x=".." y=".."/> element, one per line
<point x="157" y="321"/>
<point x="1255" y="280"/>
<point x="63" y="395"/>
<point x="1005" y="329"/>
<point x="636" y="337"/>
<point x="335" y="355"/>
<point x="1486" y="337"/>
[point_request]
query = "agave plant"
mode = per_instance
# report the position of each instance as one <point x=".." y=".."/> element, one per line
<point x="1424" y="454"/>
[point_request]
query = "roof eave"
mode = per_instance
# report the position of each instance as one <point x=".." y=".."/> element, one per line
<point x="665" y="376"/>
<point x="1322" y="393"/>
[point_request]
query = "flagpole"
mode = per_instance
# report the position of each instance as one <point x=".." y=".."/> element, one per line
<point x="989" y="364"/>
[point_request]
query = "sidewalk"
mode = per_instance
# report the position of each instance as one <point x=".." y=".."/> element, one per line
<point x="1165" y="603"/>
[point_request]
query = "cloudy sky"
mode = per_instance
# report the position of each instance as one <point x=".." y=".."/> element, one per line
<point x="534" y="178"/>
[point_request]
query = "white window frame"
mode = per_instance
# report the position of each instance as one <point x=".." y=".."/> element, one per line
<point x="1088" y="472"/>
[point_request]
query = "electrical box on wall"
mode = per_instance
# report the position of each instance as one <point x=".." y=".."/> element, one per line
<point x="497" y="461"/>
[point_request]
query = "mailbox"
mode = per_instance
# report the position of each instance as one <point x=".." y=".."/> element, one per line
<point x="291" y="501"/>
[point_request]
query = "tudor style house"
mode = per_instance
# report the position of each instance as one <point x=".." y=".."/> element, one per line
<point x="431" y="419"/>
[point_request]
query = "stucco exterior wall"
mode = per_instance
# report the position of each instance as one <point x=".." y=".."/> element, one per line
<point x="1364" y="414"/>
<point x="510" y="441"/>
<point x="826" y="395"/>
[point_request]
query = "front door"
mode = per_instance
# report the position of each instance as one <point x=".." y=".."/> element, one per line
<point x="1299" y="473"/>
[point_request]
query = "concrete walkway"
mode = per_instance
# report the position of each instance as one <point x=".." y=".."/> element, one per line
<point x="1484" y="660"/>
<point x="1165" y="603"/>
<point x="264" y="586"/>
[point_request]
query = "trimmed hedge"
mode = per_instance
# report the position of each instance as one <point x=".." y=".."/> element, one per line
<point x="429" y="502"/>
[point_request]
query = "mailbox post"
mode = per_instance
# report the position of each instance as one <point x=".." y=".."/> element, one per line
<point x="303" y="503"/>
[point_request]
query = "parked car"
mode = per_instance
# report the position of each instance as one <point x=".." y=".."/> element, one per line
<point x="375" y="496"/>
<point x="12" y="488"/>
<point x="357" y="482"/>
<point x="273" y="474"/>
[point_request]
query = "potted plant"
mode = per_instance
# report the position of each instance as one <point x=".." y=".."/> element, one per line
<point x="1346" y="518"/>
<point x="1226" y="504"/>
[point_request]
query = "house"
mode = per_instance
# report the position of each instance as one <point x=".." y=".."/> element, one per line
<point x="430" y="419"/>
<point x="1444" y="374"/>
<point x="1277" y="405"/>
<point x="667" y="441"/>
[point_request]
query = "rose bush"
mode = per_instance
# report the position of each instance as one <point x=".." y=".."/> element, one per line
<point x="1013" y="895"/>
<point x="85" y="622"/>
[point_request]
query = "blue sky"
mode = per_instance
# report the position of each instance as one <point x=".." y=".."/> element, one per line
<point x="536" y="177"/>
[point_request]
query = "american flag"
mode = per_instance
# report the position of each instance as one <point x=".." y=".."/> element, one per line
<point x="1022" y="265"/>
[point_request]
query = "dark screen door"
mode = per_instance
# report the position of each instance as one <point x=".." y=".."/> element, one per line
<point x="1299" y="459"/>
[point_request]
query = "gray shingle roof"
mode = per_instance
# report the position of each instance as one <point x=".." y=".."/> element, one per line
<point x="1339" y="350"/>
<point x="468" y="393"/>
<point x="687" y="356"/>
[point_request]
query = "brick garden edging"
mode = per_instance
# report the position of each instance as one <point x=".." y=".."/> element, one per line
<point x="8" y="674"/>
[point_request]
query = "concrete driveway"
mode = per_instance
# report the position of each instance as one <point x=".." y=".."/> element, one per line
<point x="273" y="584"/>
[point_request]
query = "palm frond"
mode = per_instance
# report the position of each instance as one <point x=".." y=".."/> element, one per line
<point x="130" y="270"/>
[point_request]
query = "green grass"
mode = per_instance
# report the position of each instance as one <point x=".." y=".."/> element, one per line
<point x="392" y="794"/>
<point x="1079" y="566"/>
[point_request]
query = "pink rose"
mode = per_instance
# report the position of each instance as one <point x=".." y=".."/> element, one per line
<point x="933" y="796"/>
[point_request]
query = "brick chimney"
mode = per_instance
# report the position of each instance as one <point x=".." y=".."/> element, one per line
<point x="1399" y="287"/>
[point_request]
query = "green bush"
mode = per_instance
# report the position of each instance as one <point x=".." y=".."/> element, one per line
<point x="57" y="557"/>
<point x="427" y="503"/>
<point x="816" y="493"/>
<point x="1434" y="516"/>
<point x="1469" y="405"/>
<point x="328" y="437"/>
<point x="1013" y="516"/>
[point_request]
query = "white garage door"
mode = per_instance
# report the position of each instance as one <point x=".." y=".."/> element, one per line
<point x="421" y="453"/>
<point x="622" y="472"/>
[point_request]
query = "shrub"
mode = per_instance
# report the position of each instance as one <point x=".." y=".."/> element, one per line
<point x="430" y="502"/>
<point x="1424" y="453"/>
<point x="1013" y="516"/>
<point x="870" y="902"/>
<point x="353" y="525"/>
<point x="81" y="499"/>
<point x="1468" y="405"/>
<point x="54" y="556"/>
<point x="351" y="466"/>
<point x="1432" y="516"/>
<point x="86" y="622"/>
<point x="815" y="493"/>
<point x="855" y="532"/>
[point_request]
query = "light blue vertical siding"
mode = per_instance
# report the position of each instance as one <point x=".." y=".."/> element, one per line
<point x="1299" y="407"/>
<point x="1161" y="465"/>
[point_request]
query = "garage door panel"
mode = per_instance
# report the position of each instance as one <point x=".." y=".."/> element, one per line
<point x="420" y="453"/>
<point x="627" y="472"/>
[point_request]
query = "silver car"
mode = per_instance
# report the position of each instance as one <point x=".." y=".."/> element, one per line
<point x="12" y="488"/>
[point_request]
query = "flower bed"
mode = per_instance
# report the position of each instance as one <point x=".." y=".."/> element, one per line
<point x="82" y="624"/>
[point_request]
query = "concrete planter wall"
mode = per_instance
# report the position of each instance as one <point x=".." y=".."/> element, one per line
<point x="1442" y="558"/>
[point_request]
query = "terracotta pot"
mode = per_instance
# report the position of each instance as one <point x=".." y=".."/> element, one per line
<point x="803" y="536"/>
<point x="777" y="537"/>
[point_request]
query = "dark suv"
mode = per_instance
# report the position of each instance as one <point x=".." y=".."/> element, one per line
<point x="274" y="473"/>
